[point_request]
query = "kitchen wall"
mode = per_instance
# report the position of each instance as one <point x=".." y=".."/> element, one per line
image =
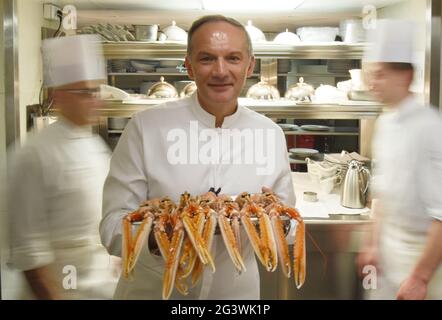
<point x="2" y="109"/>
<point x="2" y="143"/>
<point x="30" y="21"/>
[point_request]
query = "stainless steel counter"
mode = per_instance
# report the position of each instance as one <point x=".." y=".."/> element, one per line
<point x="331" y="271"/>
<point x="332" y="276"/>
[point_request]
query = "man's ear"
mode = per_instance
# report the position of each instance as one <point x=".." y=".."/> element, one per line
<point x="251" y="66"/>
<point x="188" y="66"/>
<point x="405" y="77"/>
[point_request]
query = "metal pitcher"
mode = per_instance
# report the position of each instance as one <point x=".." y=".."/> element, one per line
<point x="355" y="186"/>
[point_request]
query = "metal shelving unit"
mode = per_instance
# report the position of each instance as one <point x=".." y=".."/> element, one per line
<point x="334" y="131"/>
<point x="268" y="53"/>
<point x="117" y="108"/>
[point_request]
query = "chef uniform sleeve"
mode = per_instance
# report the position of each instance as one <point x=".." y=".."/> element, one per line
<point x="125" y="186"/>
<point x="28" y="213"/>
<point x="432" y="189"/>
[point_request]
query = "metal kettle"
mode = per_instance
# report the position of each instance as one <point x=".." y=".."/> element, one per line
<point x="355" y="186"/>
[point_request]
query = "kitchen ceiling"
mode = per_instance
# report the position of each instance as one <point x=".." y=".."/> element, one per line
<point x="308" y="12"/>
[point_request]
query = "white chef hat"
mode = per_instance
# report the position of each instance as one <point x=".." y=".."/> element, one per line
<point x="390" y="41"/>
<point x="70" y="60"/>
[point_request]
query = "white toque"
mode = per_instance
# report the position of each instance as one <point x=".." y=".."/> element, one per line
<point x="72" y="59"/>
<point x="390" y="41"/>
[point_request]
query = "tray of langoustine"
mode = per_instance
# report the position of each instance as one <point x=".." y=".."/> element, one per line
<point x="184" y="232"/>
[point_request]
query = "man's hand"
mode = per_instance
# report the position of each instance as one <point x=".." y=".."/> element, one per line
<point x="412" y="288"/>
<point x="41" y="284"/>
<point x="369" y="255"/>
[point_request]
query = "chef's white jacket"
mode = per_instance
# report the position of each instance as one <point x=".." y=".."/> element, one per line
<point x="407" y="149"/>
<point x="55" y="198"/>
<point x="144" y="166"/>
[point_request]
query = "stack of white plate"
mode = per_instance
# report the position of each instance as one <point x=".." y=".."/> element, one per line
<point x="303" y="153"/>
<point x="143" y="66"/>
<point x="288" y="126"/>
<point x="314" y="127"/>
<point x="120" y="65"/>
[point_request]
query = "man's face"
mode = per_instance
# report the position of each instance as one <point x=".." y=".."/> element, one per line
<point x="219" y="62"/>
<point x="79" y="105"/>
<point x="387" y="84"/>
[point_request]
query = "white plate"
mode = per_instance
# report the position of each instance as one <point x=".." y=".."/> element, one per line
<point x="288" y="126"/>
<point x="314" y="127"/>
<point x="303" y="152"/>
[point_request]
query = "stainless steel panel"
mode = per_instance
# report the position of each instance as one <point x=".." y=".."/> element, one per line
<point x="12" y="114"/>
<point x="332" y="277"/>
<point x="145" y="50"/>
<point x="313" y="111"/>
<point x="269" y="71"/>
<point x="433" y="54"/>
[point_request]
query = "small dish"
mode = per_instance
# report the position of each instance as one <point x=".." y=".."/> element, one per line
<point x="314" y="127"/>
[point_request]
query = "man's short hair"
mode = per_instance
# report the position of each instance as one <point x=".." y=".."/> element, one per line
<point x="400" y="66"/>
<point x="217" y="18"/>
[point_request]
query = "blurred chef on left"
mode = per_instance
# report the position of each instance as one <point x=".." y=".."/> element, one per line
<point x="56" y="182"/>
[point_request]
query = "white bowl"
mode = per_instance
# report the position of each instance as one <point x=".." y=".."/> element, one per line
<point x="175" y="33"/>
<point x="287" y="37"/>
<point x="255" y="34"/>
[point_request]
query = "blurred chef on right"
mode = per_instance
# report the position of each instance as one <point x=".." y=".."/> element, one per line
<point x="406" y="243"/>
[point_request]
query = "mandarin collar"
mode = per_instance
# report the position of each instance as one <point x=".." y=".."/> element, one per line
<point x="405" y="108"/>
<point x="209" y="119"/>
<point x="73" y="131"/>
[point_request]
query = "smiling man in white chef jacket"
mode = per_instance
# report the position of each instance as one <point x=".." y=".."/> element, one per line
<point x="406" y="246"/>
<point x="205" y="141"/>
<point x="56" y="183"/>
